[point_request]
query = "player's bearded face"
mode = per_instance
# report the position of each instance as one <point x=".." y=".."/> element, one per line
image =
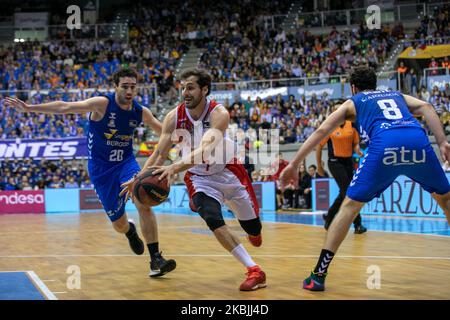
<point x="126" y="90"/>
<point x="192" y="93"/>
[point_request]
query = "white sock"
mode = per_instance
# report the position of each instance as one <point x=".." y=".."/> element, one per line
<point x="242" y="255"/>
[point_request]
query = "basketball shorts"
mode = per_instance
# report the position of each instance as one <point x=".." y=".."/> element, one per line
<point x="401" y="151"/>
<point x="231" y="187"/>
<point x="107" y="180"/>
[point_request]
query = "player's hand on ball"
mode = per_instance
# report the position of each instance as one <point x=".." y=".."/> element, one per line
<point x="289" y="173"/>
<point x="127" y="187"/>
<point x="17" y="104"/>
<point x="164" y="172"/>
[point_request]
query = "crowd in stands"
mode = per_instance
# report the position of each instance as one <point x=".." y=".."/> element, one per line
<point x="58" y="66"/>
<point x="277" y="54"/>
<point x="435" y="25"/>
<point x="32" y="174"/>
<point x="295" y="118"/>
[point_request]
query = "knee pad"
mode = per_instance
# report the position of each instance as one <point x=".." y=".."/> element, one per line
<point x="252" y="227"/>
<point x="209" y="209"/>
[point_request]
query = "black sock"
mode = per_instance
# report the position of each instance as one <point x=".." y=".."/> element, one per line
<point x="132" y="231"/>
<point x="153" y="248"/>
<point x="358" y="221"/>
<point x="324" y="261"/>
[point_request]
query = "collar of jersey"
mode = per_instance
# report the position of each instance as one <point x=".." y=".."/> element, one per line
<point x="201" y="117"/>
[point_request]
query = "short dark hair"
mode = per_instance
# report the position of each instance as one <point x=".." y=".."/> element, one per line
<point x="313" y="166"/>
<point x="203" y="77"/>
<point x="363" y="78"/>
<point x="122" y="73"/>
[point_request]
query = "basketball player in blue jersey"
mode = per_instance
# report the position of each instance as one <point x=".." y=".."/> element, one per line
<point x="112" y="121"/>
<point x="397" y="145"/>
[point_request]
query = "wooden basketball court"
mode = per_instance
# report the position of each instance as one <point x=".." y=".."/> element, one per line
<point x="412" y="266"/>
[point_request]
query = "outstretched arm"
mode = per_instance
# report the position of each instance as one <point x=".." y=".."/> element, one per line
<point x="335" y="119"/>
<point x="356" y="147"/>
<point x="149" y="120"/>
<point x="345" y="112"/>
<point x="425" y="109"/>
<point x="95" y="104"/>
<point x="320" y="168"/>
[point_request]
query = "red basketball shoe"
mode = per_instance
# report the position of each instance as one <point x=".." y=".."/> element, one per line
<point x="256" y="278"/>
<point x="256" y="241"/>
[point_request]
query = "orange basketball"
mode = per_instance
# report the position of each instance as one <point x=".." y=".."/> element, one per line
<point x="149" y="190"/>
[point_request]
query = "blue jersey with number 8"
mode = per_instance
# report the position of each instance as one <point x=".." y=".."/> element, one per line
<point x="377" y="111"/>
<point x="398" y="145"/>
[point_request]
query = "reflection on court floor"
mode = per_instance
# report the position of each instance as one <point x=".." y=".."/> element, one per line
<point x="420" y="225"/>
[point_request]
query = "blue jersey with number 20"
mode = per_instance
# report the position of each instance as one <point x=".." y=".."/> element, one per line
<point x="110" y="140"/>
<point x="111" y="159"/>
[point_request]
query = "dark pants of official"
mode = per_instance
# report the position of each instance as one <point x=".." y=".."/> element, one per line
<point x="342" y="171"/>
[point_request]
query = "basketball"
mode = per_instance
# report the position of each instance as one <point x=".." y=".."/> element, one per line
<point x="149" y="190"/>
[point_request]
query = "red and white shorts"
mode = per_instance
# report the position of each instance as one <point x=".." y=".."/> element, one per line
<point x="231" y="187"/>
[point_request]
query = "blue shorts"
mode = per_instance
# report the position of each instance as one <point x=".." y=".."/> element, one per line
<point x="401" y="151"/>
<point x="107" y="180"/>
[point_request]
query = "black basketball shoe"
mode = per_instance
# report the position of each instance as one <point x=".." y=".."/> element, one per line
<point x="360" y="229"/>
<point x="135" y="242"/>
<point x="160" y="266"/>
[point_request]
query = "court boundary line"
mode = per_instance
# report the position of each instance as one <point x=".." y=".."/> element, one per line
<point x="40" y="285"/>
<point x="36" y="281"/>
<point x="87" y="230"/>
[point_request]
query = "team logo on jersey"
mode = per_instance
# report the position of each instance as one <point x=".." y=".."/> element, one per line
<point x="206" y="125"/>
<point x="385" y="125"/>
<point x="132" y="123"/>
<point x="111" y="134"/>
<point x="112" y="118"/>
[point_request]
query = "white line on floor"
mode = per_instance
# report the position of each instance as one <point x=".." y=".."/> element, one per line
<point x="107" y="229"/>
<point x="220" y="256"/>
<point x="42" y="286"/>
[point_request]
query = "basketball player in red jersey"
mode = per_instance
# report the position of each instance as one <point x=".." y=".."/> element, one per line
<point x="199" y="125"/>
